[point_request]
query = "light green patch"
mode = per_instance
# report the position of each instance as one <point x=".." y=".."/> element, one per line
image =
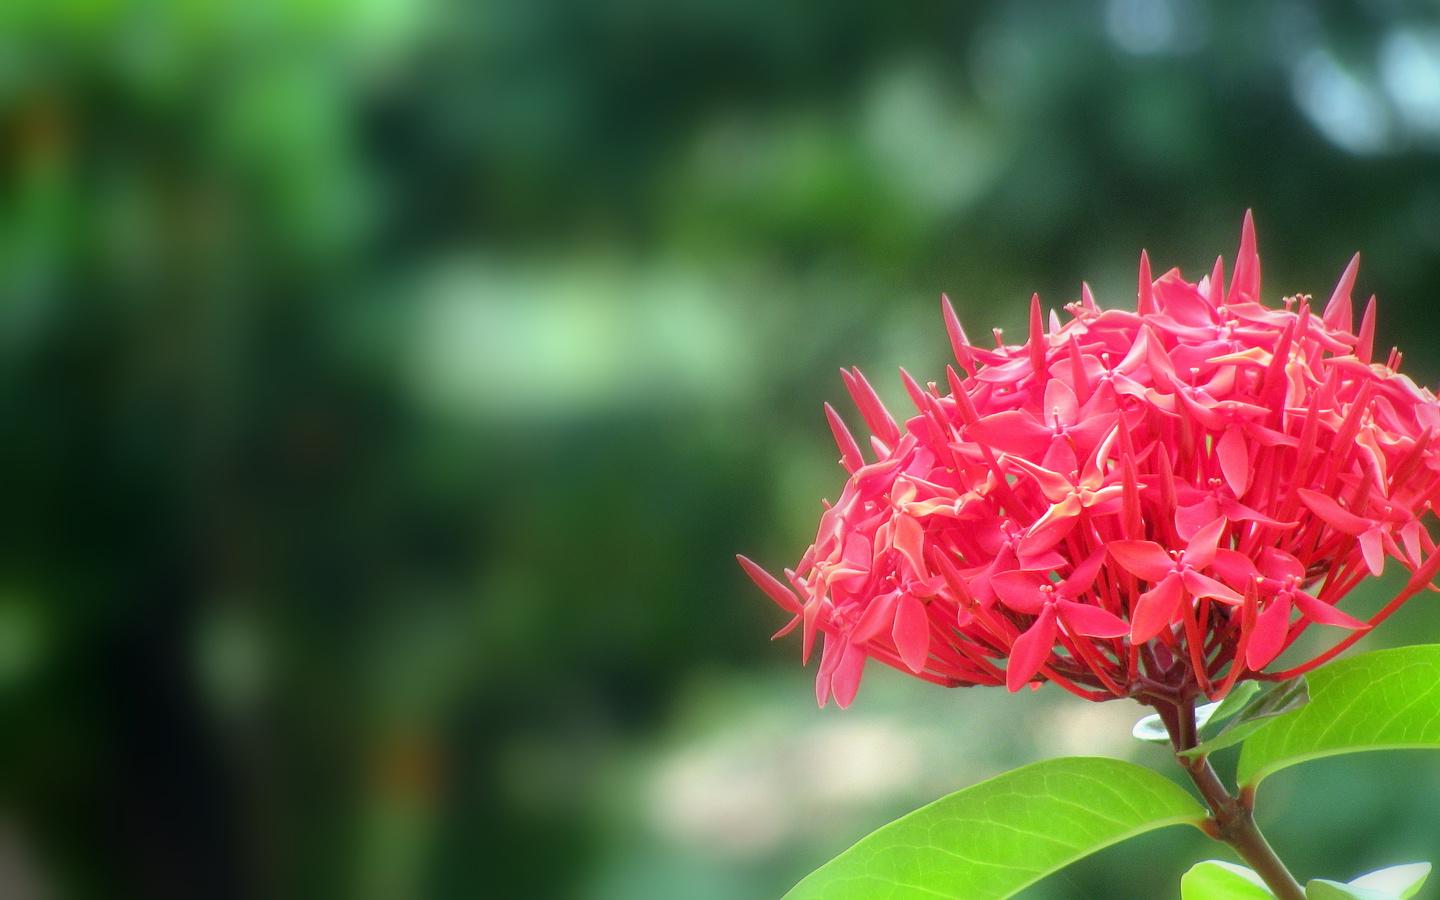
<point x="1217" y="880"/>
<point x="995" y="838"/>
<point x="1383" y="700"/>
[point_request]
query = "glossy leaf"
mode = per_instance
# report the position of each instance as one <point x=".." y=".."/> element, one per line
<point x="1217" y="880"/>
<point x="1151" y="730"/>
<point x="1235" y="701"/>
<point x="1284" y="697"/>
<point x="1383" y="700"/>
<point x="1402" y="881"/>
<point x="995" y="838"/>
<point x="1323" y="889"/>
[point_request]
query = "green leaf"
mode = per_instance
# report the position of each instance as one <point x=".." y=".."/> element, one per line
<point x="1152" y="730"/>
<point x="1216" y="880"/>
<point x="1402" y="881"/>
<point x="1382" y="700"/>
<point x="1282" y="698"/>
<point x="1394" y="883"/>
<point x="1234" y="702"/>
<point x="995" y="838"/>
<point x="1321" y="889"/>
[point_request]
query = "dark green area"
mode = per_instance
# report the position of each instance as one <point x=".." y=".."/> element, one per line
<point x="386" y="388"/>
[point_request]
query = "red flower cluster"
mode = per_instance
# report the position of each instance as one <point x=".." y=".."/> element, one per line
<point x="1169" y="495"/>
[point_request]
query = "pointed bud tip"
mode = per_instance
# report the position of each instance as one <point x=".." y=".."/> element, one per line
<point x="1144" y="301"/>
<point x="1247" y="230"/>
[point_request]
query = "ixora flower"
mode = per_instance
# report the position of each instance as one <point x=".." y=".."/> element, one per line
<point x="1134" y="503"/>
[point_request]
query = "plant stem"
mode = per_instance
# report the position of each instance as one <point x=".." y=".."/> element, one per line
<point x="1232" y="818"/>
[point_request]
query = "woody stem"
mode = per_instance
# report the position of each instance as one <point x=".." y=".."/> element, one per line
<point x="1232" y="817"/>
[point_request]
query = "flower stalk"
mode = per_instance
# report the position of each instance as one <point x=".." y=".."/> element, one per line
<point x="1232" y="818"/>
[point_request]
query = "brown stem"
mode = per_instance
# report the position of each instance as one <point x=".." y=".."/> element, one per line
<point x="1231" y="817"/>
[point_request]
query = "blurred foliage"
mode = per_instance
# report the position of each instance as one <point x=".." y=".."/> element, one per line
<point x="389" y="384"/>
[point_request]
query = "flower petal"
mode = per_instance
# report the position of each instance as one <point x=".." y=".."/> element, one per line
<point x="1317" y="610"/>
<point x="1190" y="519"/>
<point x="1372" y="548"/>
<point x="1335" y="515"/>
<point x="911" y="632"/>
<point x="1020" y="591"/>
<point x="1090" y="620"/>
<point x="909" y="539"/>
<point x="1143" y="559"/>
<point x="1267" y="639"/>
<point x="833" y="646"/>
<point x="1038" y="560"/>
<point x="878" y="616"/>
<point x="1236" y="568"/>
<point x="1030" y="650"/>
<point x="1061" y="405"/>
<point x="1011" y="431"/>
<point x="1201" y="551"/>
<point x="1236" y="511"/>
<point x="1279" y="565"/>
<point x="1050" y="529"/>
<point x="1083" y="577"/>
<point x="1060" y="457"/>
<point x="1234" y="459"/>
<point x="1156" y="608"/>
<point x="1410" y="535"/>
<point x="1054" y="486"/>
<point x="845" y="683"/>
<point x="1204" y="586"/>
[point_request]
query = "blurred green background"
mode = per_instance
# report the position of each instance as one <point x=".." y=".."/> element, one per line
<point x="387" y="386"/>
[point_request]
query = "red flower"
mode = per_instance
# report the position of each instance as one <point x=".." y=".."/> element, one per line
<point x="1161" y="499"/>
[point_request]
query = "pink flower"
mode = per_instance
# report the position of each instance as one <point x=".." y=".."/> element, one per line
<point x="1130" y="502"/>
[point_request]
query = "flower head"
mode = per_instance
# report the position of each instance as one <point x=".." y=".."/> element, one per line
<point x="1165" y="496"/>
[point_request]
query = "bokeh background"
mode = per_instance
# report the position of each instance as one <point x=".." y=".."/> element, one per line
<point x="387" y="386"/>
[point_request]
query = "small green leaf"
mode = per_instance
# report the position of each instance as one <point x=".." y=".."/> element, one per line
<point x="1235" y="701"/>
<point x="1322" y="889"/>
<point x="1151" y="730"/>
<point x="1382" y="700"/>
<point x="1402" y="881"/>
<point x="1284" y="697"/>
<point x="1217" y="880"/>
<point x="995" y="838"/>
<point x="1394" y="883"/>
